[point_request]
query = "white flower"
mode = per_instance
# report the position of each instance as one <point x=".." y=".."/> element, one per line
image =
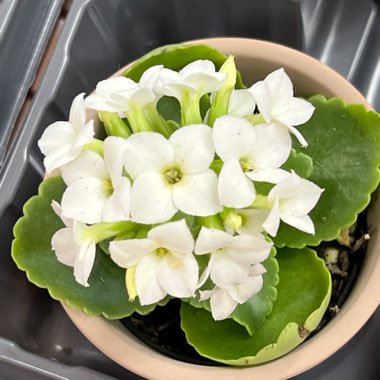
<point x="73" y="248"/>
<point x="62" y="141"/>
<point x="248" y="151"/>
<point x="97" y="191"/>
<point x="223" y="301"/>
<point x="292" y="200"/>
<point x="164" y="262"/>
<point x="171" y="175"/>
<point x="120" y="94"/>
<point x="198" y="77"/>
<point x="231" y="256"/>
<point x="275" y="101"/>
<point x="252" y="221"/>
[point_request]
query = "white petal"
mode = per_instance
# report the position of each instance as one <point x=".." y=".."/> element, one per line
<point x="117" y="206"/>
<point x="127" y="253"/>
<point x="234" y="188"/>
<point x="64" y="245"/>
<point x="242" y="103"/>
<point x="193" y="148"/>
<point x="197" y="194"/>
<point x="59" y="157"/>
<point x="201" y="75"/>
<point x="204" y="277"/>
<point x="302" y="223"/>
<point x="55" y="136"/>
<point x="77" y="115"/>
<point x="147" y="151"/>
<point x="84" y="262"/>
<point x="87" y="165"/>
<point x="248" y="249"/>
<point x="242" y="292"/>
<point x="262" y="95"/>
<point x="272" y="222"/>
<point x="147" y="285"/>
<point x="178" y="274"/>
<point x="84" y="135"/>
<point x="101" y="103"/>
<point x="83" y="200"/>
<point x="198" y="66"/>
<point x="225" y="272"/>
<point x="58" y="210"/>
<point x="222" y="305"/>
<point x="257" y="270"/>
<point x="267" y="175"/>
<point x="139" y="97"/>
<point x="298" y="111"/>
<point x="151" y="199"/>
<point x="211" y="239"/>
<point x="272" y="146"/>
<point x="298" y="195"/>
<point x="234" y="137"/>
<point x="174" y="236"/>
<point x="151" y="78"/>
<point x="253" y="220"/>
<point x="114" y="155"/>
<point x="298" y="135"/>
<point x="281" y="90"/>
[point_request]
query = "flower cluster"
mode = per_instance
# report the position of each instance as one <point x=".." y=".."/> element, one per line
<point x="142" y="184"/>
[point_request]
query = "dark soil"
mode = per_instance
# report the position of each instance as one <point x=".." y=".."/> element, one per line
<point x="161" y="328"/>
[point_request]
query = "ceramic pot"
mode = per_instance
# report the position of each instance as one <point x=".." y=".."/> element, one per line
<point x="255" y="59"/>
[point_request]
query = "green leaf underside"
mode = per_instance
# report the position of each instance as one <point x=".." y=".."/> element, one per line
<point x="32" y="252"/>
<point x="175" y="57"/>
<point x="344" y="144"/>
<point x="252" y="314"/>
<point x="303" y="295"/>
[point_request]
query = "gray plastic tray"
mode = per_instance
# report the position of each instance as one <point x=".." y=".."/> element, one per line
<point x="37" y="339"/>
<point x="25" y="28"/>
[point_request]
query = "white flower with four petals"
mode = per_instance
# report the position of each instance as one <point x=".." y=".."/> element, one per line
<point x="248" y="153"/>
<point x="164" y="262"/>
<point x="73" y="248"/>
<point x="292" y="200"/>
<point x="275" y="100"/>
<point x="96" y="189"/>
<point x="171" y="175"/>
<point x="63" y="141"/>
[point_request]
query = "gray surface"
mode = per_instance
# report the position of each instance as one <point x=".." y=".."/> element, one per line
<point x="36" y="336"/>
<point x="25" y="28"/>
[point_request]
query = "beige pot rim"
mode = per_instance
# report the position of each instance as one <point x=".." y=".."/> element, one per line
<point x="122" y="347"/>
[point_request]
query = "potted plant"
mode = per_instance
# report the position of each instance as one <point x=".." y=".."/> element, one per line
<point x="240" y="305"/>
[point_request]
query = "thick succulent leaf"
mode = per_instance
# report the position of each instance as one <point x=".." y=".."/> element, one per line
<point x="175" y="57"/>
<point x="344" y="144"/>
<point x="300" y="162"/>
<point x="303" y="295"/>
<point x="32" y="253"/>
<point x="252" y="313"/>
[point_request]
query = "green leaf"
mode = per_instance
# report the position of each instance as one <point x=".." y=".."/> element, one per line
<point x="175" y="57"/>
<point x="344" y="144"/>
<point x="251" y="314"/>
<point x="303" y="295"/>
<point x="31" y="250"/>
<point x="301" y="163"/>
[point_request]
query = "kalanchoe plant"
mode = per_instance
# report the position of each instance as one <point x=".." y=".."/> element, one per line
<point x="203" y="190"/>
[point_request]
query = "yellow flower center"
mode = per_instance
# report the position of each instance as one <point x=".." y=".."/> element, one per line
<point x="161" y="251"/>
<point x="173" y="176"/>
<point x="246" y="165"/>
<point x="107" y="187"/>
